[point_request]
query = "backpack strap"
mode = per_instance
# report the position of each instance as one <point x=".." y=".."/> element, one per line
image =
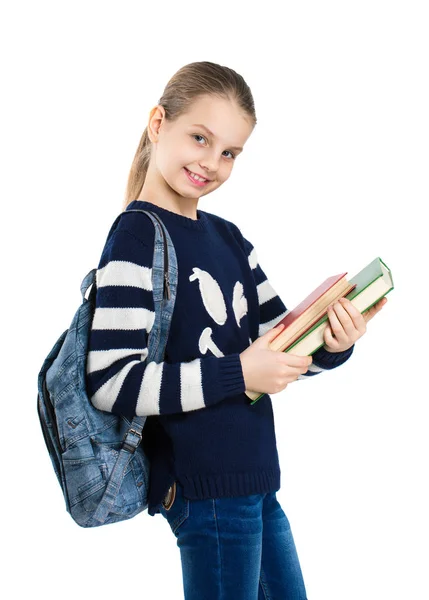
<point x="86" y="282"/>
<point x="89" y="278"/>
<point x="164" y="255"/>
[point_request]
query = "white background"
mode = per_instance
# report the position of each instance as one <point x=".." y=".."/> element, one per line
<point x="334" y="174"/>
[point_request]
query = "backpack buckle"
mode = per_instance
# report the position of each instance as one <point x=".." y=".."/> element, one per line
<point x="130" y="446"/>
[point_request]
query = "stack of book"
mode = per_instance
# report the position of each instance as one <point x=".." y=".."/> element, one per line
<point x="305" y="324"/>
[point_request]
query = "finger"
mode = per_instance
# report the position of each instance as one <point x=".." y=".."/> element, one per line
<point x="380" y="303"/>
<point x="345" y="319"/>
<point x="336" y="326"/>
<point x="358" y="323"/>
<point x="355" y="314"/>
<point x="293" y="372"/>
<point x="329" y="339"/>
<point x="293" y="360"/>
<point x="367" y="315"/>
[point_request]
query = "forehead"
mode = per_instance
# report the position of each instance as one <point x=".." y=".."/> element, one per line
<point x="220" y="118"/>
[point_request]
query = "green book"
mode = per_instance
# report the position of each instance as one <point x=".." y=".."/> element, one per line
<point x="372" y="284"/>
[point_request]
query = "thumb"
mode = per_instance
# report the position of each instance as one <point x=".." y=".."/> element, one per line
<point x="272" y="333"/>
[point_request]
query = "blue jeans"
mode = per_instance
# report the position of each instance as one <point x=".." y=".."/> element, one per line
<point x="234" y="548"/>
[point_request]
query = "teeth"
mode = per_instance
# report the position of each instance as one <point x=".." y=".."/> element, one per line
<point x="196" y="176"/>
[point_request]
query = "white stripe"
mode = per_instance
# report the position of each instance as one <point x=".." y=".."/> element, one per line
<point x="265" y="292"/>
<point x="105" y="397"/>
<point x="122" y="272"/>
<point x="101" y="359"/>
<point x="253" y="259"/>
<point x="149" y="393"/>
<point x="123" y="318"/>
<point x="191" y="388"/>
<point x="264" y="327"/>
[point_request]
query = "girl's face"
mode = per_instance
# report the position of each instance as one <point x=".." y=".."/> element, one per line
<point x="186" y="145"/>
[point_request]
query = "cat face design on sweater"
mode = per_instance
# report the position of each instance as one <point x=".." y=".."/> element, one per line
<point x="214" y="303"/>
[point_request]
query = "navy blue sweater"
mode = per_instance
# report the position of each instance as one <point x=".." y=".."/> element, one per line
<point x="201" y="428"/>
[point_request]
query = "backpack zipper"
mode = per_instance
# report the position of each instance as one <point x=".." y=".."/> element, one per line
<point x="51" y="413"/>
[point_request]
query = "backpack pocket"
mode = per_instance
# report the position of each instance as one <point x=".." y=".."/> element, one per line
<point x="130" y="496"/>
<point x="88" y="465"/>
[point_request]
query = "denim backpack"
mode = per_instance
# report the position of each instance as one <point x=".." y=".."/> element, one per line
<point x="96" y="455"/>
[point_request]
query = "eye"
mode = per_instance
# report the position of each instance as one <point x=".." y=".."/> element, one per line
<point x="201" y="136"/>
<point x="198" y="135"/>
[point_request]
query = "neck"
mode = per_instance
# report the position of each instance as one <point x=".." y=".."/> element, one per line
<point x="156" y="191"/>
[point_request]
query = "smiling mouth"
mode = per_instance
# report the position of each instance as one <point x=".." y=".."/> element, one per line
<point x="206" y="180"/>
<point x="196" y="182"/>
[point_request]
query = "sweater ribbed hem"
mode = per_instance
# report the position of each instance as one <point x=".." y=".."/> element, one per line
<point x="200" y="487"/>
<point x="231" y="485"/>
<point x="231" y="375"/>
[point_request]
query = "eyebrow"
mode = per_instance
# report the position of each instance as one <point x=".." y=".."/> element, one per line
<point x="213" y="135"/>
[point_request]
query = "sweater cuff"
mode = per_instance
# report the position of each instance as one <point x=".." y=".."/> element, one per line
<point x="330" y="360"/>
<point x="231" y="377"/>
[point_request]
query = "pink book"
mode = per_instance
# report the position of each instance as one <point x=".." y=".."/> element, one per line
<point x="311" y="309"/>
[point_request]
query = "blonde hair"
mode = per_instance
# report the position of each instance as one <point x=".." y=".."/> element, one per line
<point x="187" y="85"/>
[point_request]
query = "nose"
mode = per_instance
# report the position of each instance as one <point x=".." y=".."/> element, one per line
<point x="210" y="167"/>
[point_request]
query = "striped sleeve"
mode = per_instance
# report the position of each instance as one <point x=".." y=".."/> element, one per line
<point x="272" y="310"/>
<point x="119" y="378"/>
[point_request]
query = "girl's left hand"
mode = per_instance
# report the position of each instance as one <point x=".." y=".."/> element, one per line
<point x="347" y="324"/>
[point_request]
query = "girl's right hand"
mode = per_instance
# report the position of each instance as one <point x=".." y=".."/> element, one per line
<point x="269" y="371"/>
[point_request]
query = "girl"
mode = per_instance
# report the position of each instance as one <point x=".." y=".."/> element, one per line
<point x="214" y="463"/>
